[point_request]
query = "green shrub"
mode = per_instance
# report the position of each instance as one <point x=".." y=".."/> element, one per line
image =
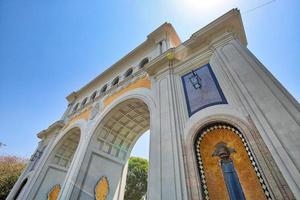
<point x="136" y="182"/>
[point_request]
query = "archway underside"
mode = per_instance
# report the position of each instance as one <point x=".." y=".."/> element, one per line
<point x="57" y="165"/>
<point x="65" y="151"/>
<point x="121" y="128"/>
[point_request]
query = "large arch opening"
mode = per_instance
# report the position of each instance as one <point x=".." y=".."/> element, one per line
<point x="57" y="165"/>
<point x="122" y="127"/>
<point x="109" y="150"/>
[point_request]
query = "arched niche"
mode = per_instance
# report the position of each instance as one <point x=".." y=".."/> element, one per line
<point x="216" y="181"/>
<point x="110" y="147"/>
<point x="57" y="164"/>
<point x="143" y="62"/>
<point x="64" y="151"/>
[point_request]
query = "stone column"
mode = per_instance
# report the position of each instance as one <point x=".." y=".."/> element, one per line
<point x="33" y="160"/>
<point x="165" y="145"/>
<point x="274" y="111"/>
<point x="29" y="188"/>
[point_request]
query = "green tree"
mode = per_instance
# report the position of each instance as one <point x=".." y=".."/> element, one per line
<point x="137" y="175"/>
<point x="10" y="170"/>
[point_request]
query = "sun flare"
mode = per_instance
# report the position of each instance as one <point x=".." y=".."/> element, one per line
<point x="203" y="4"/>
<point x="202" y="7"/>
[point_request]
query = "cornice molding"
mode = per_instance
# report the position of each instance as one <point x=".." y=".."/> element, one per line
<point x="165" y="29"/>
<point x="56" y="126"/>
<point x="217" y="33"/>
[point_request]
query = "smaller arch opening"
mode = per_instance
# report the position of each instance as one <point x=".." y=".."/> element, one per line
<point x="115" y="81"/>
<point x="20" y="188"/>
<point x="144" y="62"/>
<point x="94" y="95"/>
<point x="84" y="101"/>
<point x="118" y="133"/>
<point x="104" y="88"/>
<point x="128" y="72"/>
<point x="75" y="107"/>
<point x="160" y="47"/>
<point x="65" y="149"/>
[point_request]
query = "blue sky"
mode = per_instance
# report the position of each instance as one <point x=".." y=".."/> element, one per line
<point x="50" y="48"/>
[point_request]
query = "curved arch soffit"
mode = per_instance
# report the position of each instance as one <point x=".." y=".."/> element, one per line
<point x="80" y="125"/>
<point x="141" y="94"/>
<point x="118" y="116"/>
<point x="63" y="135"/>
<point x="59" y="140"/>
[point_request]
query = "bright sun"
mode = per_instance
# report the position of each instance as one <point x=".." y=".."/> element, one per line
<point x="203" y="4"/>
<point x="198" y="7"/>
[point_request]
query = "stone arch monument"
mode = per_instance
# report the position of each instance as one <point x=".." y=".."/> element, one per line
<point x="221" y="126"/>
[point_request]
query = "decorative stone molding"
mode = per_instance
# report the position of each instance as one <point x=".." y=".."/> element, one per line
<point x="52" y="128"/>
<point x="141" y="82"/>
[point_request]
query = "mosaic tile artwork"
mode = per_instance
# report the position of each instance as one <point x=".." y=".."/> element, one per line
<point x="209" y="94"/>
<point x="102" y="189"/>
<point x="53" y="194"/>
<point x="212" y="181"/>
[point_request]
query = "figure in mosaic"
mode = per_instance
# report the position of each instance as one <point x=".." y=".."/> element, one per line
<point x="231" y="179"/>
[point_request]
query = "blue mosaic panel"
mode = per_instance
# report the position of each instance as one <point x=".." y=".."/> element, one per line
<point x="209" y="94"/>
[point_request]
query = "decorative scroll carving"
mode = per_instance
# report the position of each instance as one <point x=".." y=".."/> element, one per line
<point x="94" y="111"/>
<point x="53" y="194"/>
<point x="102" y="189"/>
<point x="98" y="107"/>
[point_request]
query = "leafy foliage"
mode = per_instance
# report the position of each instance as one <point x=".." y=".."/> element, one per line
<point x="137" y="175"/>
<point x="10" y="170"/>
